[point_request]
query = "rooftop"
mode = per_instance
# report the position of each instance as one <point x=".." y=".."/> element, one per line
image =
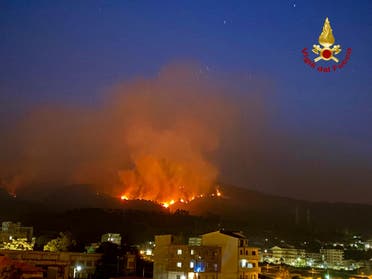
<point x="239" y="235"/>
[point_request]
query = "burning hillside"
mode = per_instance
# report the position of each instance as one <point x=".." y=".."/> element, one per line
<point x="182" y="198"/>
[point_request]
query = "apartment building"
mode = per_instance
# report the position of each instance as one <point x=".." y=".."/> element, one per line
<point x="215" y="255"/>
<point x="287" y="255"/>
<point x="332" y="257"/>
<point x="175" y="260"/>
<point x="238" y="260"/>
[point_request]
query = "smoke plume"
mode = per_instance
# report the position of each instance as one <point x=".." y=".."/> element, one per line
<point x="150" y="138"/>
<point x="173" y="137"/>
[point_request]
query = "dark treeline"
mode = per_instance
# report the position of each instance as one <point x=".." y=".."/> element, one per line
<point x="256" y="214"/>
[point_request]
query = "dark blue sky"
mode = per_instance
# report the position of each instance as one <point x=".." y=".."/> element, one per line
<point x="73" y="51"/>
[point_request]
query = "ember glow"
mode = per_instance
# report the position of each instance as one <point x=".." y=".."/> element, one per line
<point x="218" y="193"/>
<point x="168" y="203"/>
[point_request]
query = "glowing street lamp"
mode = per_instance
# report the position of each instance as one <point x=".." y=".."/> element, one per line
<point x="77" y="269"/>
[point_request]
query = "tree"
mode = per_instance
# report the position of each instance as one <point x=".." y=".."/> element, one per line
<point x="62" y="243"/>
<point x="41" y="241"/>
<point x="19" y="244"/>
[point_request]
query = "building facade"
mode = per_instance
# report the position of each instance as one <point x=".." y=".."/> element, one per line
<point x="332" y="257"/>
<point x="215" y="255"/>
<point x="238" y="260"/>
<point x="175" y="260"/>
<point x="288" y="255"/>
<point x="58" y="265"/>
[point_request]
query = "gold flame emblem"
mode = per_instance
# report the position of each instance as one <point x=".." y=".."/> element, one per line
<point x="326" y="39"/>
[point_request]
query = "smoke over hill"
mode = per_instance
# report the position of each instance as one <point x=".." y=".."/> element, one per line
<point x="150" y="139"/>
<point x="174" y="137"/>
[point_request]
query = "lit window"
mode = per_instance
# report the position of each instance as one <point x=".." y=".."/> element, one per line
<point x="179" y="252"/>
<point x="191" y="264"/>
<point x="243" y="263"/>
<point x="179" y="264"/>
<point x="192" y="252"/>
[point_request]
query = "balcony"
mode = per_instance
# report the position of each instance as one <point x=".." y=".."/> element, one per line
<point x="252" y="269"/>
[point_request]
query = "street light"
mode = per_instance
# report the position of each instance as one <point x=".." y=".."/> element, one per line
<point x="77" y="269"/>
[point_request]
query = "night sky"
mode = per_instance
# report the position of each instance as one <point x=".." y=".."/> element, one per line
<point x="316" y="143"/>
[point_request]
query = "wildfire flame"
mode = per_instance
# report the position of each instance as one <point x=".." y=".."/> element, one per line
<point x="326" y="38"/>
<point x="170" y="202"/>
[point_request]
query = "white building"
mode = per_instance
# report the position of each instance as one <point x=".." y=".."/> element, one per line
<point x="111" y="237"/>
<point x="332" y="257"/>
<point x="288" y="255"/>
